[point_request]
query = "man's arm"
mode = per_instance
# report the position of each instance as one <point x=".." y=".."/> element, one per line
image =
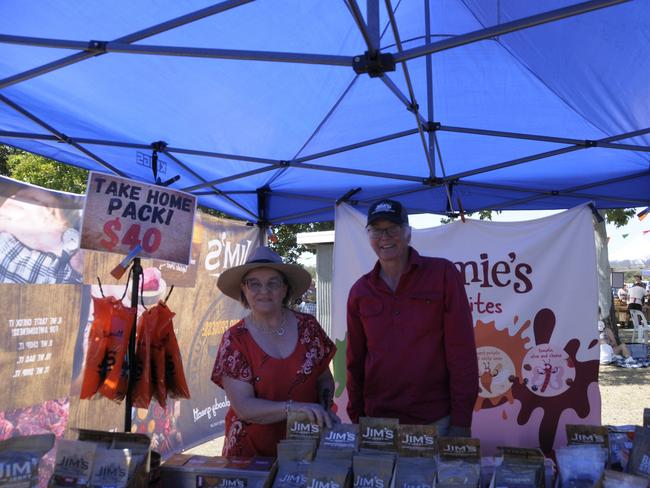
<point x="355" y="361"/>
<point x="460" y="351"/>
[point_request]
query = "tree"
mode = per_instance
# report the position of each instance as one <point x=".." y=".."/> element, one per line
<point x="44" y="172"/>
<point x="283" y="241"/>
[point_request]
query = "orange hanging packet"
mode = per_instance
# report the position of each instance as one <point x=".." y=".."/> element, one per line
<point x="160" y="323"/>
<point x="121" y="323"/>
<point x="94" y="372"/>
<point x="174" y="373"/>
<point x="143" y="384"/>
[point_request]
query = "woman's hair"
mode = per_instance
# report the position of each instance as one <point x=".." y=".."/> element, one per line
<point x="286" y="301"/>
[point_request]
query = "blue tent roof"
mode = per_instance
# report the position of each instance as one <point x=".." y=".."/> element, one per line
<point x="266" y="113"/>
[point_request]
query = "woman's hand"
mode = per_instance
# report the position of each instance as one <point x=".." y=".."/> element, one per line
<point x="316" y="413"/>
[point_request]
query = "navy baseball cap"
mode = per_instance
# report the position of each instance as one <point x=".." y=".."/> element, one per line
<point x="390" y="210"/>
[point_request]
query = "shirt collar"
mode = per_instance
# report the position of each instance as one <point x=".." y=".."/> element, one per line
<point x="413" y="262"/>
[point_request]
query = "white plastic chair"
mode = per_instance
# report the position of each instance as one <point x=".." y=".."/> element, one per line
<point x="641" y="326"/>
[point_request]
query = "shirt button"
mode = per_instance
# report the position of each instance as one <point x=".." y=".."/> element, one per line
<point x="427" y="301"/>
<point x="396" y="312"/>
<point x="257" y="378"/>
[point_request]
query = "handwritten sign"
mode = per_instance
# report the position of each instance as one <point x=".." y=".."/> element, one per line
<point x="121" y="214"/>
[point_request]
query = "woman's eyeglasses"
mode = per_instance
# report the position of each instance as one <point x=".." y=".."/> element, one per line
<point x="392" y="231"/>
<point x="256" y="286"/>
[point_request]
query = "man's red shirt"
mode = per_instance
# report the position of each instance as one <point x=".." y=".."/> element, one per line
<point x="411" y="353"/>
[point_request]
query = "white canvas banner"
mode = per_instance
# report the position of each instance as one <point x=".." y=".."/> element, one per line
<point x="532" y="288"/>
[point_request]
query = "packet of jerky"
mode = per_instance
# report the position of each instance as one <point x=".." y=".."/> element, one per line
<point x="587" y="434"/>
<point x="520" y="468"/>
<point x="580" y="465"/>
<point x="111" y="468"/>
<point x="300" y="427"/>
<point x="221" y="481"/>
<point x="332" y="455"/>
<point x="291" y="474"/>
<point x="378" y="433"/>
<point x="19" y="458"/>
<point x="341" y="436"/>
<point x="415" y="471"/>
<point x="615" y="479"/>
<point x="417" y="440"/>
<point x="74" y="463"/>
<point x="326" y="474"/>
<point x="620" y="445"/>
<point x="372" y="471"/>
<point x="640" y="456"/>
<point x="296" y="450"/>
<point x="459" y="461"/>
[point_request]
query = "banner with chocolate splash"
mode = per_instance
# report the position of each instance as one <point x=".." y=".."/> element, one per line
<point x="532" y="289"/>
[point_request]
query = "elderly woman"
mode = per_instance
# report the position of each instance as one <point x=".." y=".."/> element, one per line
<point x="273" y="361"/>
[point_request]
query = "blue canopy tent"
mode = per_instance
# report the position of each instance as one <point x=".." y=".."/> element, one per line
<point x="272" y="111"/>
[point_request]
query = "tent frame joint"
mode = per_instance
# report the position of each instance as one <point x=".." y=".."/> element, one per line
<point x="432" y="126"/>
<point x="591" y="143"/>
<point x="346" y="198"/>
<point x="98" y="47"/>
<point x="374" y="65"/>
<point x="434" y="181"/>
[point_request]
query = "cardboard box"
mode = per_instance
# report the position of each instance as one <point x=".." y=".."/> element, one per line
<point x="184" y="471"/>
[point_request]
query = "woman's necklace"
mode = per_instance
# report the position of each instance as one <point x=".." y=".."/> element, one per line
<point x="280" y="331"/>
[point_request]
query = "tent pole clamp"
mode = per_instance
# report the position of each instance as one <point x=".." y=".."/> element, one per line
<point x="374" y="65"/>
<point x="97" y="47"/>
<point x="432" y="126"/>
<point x="346" y="198"/>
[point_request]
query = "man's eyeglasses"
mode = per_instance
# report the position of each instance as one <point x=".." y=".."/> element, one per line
<point x="392" y="231"/>
<point x="256" y="286"/>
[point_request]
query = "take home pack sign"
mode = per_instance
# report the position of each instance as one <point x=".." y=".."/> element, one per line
<point x="121" y="214"/>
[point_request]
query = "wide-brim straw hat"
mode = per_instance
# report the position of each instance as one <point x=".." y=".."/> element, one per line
<point x="298" y="278"/>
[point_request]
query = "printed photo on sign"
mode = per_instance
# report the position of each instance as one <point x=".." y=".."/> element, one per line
<point x="39" y="235"/>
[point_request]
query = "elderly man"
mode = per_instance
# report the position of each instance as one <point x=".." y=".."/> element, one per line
<point x="411" y="353"/>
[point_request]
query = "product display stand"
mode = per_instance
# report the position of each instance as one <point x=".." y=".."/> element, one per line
<point x="136" y="270"/>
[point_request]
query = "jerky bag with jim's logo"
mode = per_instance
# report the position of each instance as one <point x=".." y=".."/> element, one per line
<point x="291" y="474"/>
<point x="417" y="440"/>
<point x="299" y="426"/>
<point x="19" y="458"/>
<point x="460" y="462"/>
<point x="378" y="433"/>
<point x="327" y="475"/>
<point x="340" y="436"/>
<point x="372" y="471"/>
<point x="74" y="463"/>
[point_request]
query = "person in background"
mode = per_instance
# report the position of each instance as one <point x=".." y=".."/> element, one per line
<point x="636" y="293"/>
<point x="411" y="353"/>
<point x="622" y="293"/>
<point x="610" y="349"/>
<point x="273" y="361"/>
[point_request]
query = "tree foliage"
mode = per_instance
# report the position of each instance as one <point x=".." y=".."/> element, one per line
<point x="45" y="172"/>
<point x="283" y="241"/>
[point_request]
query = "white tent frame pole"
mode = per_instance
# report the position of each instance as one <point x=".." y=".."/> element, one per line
<point x="130" y="38"/>
<point x="508" y="27"/>
<point x="429" y="73"/>
<point x="59" y="135"/>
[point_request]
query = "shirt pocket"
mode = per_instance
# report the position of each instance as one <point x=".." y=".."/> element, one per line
<point x="374" y="324"/>
<point x="427" y="310"/>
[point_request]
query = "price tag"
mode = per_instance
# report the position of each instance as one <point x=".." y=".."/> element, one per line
<point x="121" y="214"/>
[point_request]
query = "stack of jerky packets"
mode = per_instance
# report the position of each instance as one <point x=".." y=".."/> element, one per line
<point x="459" y="462"/>
<point x="101" y="459"/>
<point x="583" y="461"/>
<point x="19" y="459"/>
<point x="640" y="456"/>
<point x="416" y="465"/>
<point x="373" y="466"/>
<point x="297" y="467"/>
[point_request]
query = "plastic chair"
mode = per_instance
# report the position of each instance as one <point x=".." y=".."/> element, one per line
<point x="641" y="326"/>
